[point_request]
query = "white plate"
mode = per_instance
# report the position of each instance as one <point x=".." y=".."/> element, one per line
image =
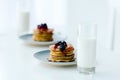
<point x="28" y="38"/>
<point x="44" y="55"/>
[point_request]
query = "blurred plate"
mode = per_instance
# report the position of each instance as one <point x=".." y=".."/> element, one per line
<point x="28" y="38"/>
<point x="43" y="56"/>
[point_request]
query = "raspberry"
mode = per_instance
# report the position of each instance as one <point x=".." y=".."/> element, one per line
<point x="39" y="26"/>
<point x="55" y="46"/>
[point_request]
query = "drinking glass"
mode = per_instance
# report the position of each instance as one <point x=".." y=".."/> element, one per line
<point x="86" y="48"/>
<point x="23" y="16"/>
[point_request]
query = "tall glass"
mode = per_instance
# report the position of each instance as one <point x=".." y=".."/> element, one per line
<point x="23" y="16"/>
<point x="86" y="48"/>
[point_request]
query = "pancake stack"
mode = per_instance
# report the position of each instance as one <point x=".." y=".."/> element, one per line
<point x="43" y="33"/>
<point x="61" y="52"/>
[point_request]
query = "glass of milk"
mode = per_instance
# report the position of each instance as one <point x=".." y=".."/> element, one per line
<point x="86" y="48"/>
<point x="22" y="16"/>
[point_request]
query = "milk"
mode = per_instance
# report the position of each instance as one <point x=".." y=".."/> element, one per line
<point x="23" y="21"/>
<point x="86" y="52"/>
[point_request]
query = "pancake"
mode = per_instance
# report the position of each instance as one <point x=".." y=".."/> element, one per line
<point x="56" y="55"/>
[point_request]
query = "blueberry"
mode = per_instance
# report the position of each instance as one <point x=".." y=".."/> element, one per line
<point x="58" y="43"/>
<point x="64" y="43"/>
<point x="41" y="24"/>
<point x="45" y="26"/>
<point x="62" y="47"/>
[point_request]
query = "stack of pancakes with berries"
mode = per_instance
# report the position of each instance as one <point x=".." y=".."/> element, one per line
<point x="43" y="33"/>
<point x="61" y="52"/>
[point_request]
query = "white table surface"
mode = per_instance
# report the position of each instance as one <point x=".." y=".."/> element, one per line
<point x="17" y="63"/>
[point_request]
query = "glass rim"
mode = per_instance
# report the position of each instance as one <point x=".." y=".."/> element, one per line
<point x="87" y="29"/>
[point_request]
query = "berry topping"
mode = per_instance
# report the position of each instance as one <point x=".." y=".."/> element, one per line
<point x="42" y="26"/>
<point x="64" y="43"/>
<point x="58" y="43"/>
<point x="45" y="26"/>
<point x="55" y="46"/>
<point x="39" y="26"/>
<point x="62" y="47"/>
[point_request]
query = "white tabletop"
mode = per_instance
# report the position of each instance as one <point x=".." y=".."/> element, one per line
<point x="17" y="63"/>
